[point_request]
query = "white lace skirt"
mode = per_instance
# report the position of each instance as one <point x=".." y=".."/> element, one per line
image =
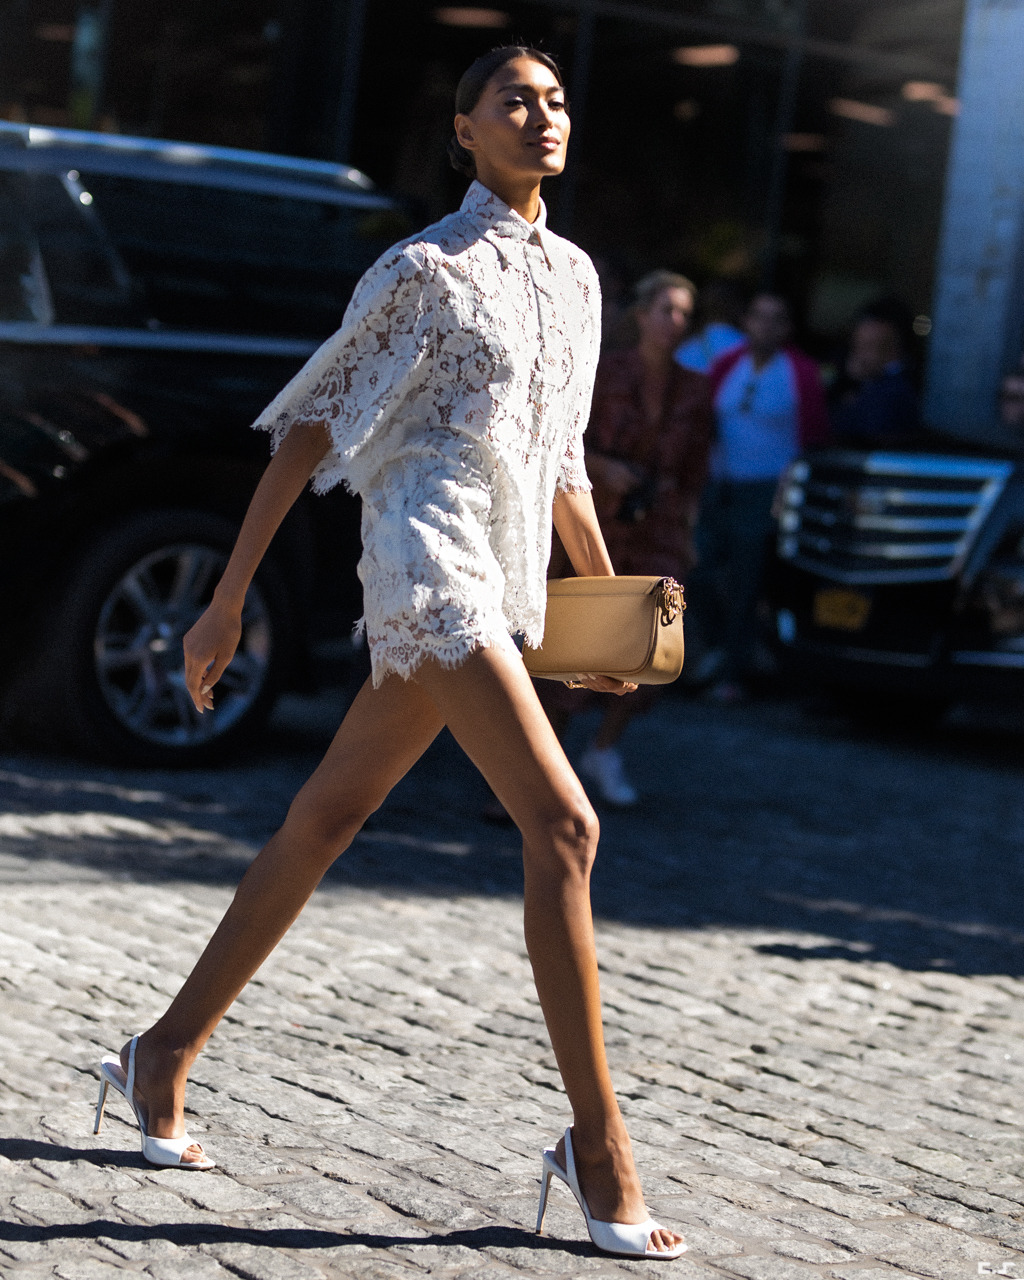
<point x="432" y="584"/>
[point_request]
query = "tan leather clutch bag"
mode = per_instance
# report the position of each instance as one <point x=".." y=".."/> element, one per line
<point x="630" y="628"/>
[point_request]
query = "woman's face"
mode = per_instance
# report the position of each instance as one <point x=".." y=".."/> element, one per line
<point x="520" y="126"/>
<point x="664" y="323"/>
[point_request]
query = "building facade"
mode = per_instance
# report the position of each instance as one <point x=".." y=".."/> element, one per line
<point x="799" y="143"/>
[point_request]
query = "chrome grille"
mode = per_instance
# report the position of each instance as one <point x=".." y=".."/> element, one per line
<point x="885" y="517"/>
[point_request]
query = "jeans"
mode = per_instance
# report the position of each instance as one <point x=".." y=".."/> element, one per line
<point x="732" y="536"/>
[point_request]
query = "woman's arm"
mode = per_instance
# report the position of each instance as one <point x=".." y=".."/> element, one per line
<point x="573" y="513"/>
<point x="211" y="643"/>
<point x="576" y="522"/>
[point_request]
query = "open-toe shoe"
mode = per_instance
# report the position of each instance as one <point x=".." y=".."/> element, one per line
<point x="165" y="1152"/>
<point x="624" y="1239"/>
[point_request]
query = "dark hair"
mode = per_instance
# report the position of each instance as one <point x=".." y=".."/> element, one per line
<point x="893" y="312"/>
<point x="475" y="80"/>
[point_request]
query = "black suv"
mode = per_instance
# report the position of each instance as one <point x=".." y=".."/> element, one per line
<point x="154" y="297"/>
<point x="900" y="576"/>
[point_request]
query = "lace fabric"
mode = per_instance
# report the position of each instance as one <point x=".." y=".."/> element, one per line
<point x="456" y="393"/>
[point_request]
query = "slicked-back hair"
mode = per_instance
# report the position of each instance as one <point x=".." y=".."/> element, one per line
<point x="475" y="80"/>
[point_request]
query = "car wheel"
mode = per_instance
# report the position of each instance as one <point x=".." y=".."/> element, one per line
<point x="112" y="671"/>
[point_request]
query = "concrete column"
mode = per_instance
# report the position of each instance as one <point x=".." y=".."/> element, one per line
<point x="979" y="307"/>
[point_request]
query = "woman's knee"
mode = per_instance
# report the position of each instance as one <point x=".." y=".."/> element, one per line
<point x="566" y="842"/>
<point x="326" y="826"/>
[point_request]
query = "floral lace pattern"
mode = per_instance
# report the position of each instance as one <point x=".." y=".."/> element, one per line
<point x="456" y="393"/>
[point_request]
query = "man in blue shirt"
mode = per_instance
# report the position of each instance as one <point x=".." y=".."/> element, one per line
<point x="769" y="406"/>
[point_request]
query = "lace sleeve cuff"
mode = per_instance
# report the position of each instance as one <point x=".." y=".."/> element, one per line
<point x="573" y="478"/>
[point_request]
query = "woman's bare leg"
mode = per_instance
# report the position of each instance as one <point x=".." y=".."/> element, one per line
<point x="383" y="735"/>
<point x="491" y="708"/>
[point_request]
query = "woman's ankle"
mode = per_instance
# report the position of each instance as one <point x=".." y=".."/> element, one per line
<point x="167" y="1049"/>
<point x="601" y="1142"/>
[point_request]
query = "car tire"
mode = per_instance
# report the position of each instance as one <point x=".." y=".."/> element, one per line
<point x="109" y="679"/>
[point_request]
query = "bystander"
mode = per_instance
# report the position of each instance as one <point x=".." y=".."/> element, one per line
<point x="875" y="401"/>
<point x="769" y="405"/>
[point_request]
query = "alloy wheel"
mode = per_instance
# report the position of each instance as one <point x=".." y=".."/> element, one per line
<point x="138" y="647"/>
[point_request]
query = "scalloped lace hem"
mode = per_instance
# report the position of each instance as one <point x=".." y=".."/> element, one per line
<point x="578" y="482"/>
<point x="332" y="470"/>
<point x="405" y="659"/>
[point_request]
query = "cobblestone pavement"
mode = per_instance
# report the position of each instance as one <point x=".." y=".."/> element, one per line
<point x="812" y="955"/>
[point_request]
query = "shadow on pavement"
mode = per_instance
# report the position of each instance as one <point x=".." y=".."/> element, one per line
<point x="905" y="850"/>
<point x="185" y="1234"/>
<point x="29" y="1149"/>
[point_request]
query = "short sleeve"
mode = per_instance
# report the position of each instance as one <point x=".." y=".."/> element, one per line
<point x="355" y="382"/>
<point x="572" y="474"/>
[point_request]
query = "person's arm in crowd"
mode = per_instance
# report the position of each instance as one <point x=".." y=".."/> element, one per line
<point x="815" y="428"/>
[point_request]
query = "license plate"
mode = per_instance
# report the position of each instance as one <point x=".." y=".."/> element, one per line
<point x="841" y="610"/>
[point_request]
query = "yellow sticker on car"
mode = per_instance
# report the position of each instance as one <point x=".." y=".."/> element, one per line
<point x="841" y="609"/>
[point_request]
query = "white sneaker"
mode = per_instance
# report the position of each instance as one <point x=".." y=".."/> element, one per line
<point x="603" y="766"/>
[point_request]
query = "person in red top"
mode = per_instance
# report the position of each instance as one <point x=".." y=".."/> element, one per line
<point x="769" y="407"/>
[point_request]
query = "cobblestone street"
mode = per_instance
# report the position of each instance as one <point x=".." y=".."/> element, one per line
<point x="813" y="972"/>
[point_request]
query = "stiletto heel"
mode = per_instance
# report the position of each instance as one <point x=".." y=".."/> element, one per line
<point x="623" y="1239"/>
<point x="165" y="1152"/>
<point x="101" y="1104"/>
<point x="545" y="1187"/>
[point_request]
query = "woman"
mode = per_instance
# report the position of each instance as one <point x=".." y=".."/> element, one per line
<point x="647" y="453"/>
<point x="452" y="400"/>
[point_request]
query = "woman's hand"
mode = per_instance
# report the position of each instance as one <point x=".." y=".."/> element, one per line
<point x="605" y="684"/>
<point x="212" y="642"/>
<point x="209" y="647"/>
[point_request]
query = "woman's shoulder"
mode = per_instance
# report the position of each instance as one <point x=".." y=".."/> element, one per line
<point x="441" y="240"/>
<point x="408" y="257"/>
<point x="429" y="254"/>
<point x="404" y="273"/>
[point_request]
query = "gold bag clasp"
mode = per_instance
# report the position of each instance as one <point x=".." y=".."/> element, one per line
<point x="670" y="600"/>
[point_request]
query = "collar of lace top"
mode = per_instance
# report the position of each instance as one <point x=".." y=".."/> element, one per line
<point x="492" y="213"/>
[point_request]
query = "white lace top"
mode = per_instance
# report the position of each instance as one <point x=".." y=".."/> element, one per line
<point x="456" y="393"/>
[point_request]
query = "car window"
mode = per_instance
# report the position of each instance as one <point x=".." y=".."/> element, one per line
<point x="227" y="260"/>
<point x="24" y="292"/>
<point x="87" y="281"/>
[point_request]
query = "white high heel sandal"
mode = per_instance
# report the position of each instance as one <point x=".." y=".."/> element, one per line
<point x="624" y="1239"/>
<point x="166" y="1152"/>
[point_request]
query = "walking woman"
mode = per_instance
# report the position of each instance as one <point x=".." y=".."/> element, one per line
<point x="452" y="400"/>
